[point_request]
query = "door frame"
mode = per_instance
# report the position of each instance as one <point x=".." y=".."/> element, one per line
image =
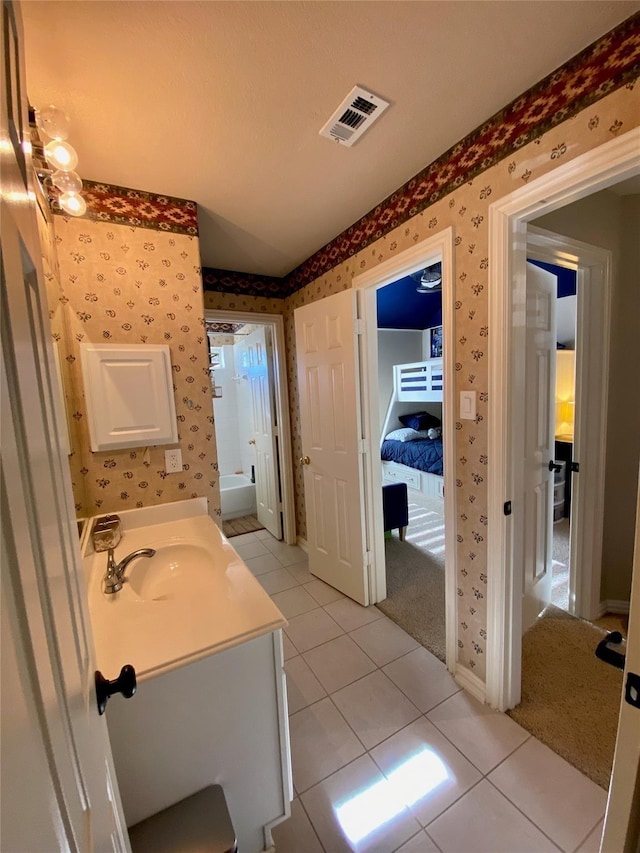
<point x="285" y="453"/>
<point x="593" y="318"/>
<point x="436" y="248"/>
<point x="595" y="170"/>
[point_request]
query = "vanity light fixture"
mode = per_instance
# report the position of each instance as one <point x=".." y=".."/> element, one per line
<point x="72" y="203"/>
<point x="53" y="121"/>
<point x="61" y="157"/>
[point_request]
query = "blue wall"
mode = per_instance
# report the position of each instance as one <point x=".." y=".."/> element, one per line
<point x="566" y="278"/>
<point x="400" y="307"/>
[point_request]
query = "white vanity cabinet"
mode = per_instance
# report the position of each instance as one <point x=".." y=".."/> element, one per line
<point x="222" y="719"/>
<point x="205" y="641"/>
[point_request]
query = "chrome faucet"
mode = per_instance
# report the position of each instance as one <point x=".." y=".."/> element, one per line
<point x="114" y="577"/>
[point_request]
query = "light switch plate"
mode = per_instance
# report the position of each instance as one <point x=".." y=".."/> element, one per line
<point x="173" y="461"/>
<point x="467" y="405"/>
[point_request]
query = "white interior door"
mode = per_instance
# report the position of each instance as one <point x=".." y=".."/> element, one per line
<point x="539" y="441"/>
<point x="328" y="381"/>
<point x="260" y="373"/>
<point x="622" y="819"/>
<point x="58" y="787"/>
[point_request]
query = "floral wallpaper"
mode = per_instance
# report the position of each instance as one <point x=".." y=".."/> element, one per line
<point x="123" y="284"/>
<point x="466" y="210"/>
<point x="58" y="325"/>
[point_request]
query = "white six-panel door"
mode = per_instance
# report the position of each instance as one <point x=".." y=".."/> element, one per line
<point x="58" y="787"/>
<point x="328" y="381"/>
<point x="621" y="831"/>
<point x="539" y="441"/>
<point x="260" y="375"/>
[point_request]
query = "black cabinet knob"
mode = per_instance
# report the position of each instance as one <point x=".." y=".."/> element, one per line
<point x="554" y="466"/>
<point x="125" y="683"/>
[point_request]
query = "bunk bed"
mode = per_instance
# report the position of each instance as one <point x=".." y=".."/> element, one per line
<point x="411" y="449"/>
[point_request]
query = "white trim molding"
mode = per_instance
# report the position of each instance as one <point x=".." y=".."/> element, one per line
<point x="610" y="163"/>
<point x="594" y="271"/>
<point x="276" y="324"/>
<point x="439" y="247"/>
<point x="612" y="605"/>
<point x="469" y="681"/>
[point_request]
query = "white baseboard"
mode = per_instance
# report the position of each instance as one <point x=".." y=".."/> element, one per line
<point x="611" y="605"/>
<point x="471" y="683"/>
<point x="302" y="543"/>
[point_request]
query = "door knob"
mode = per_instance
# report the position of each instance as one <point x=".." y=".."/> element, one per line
<point x="610" y="655"/>
<point x="252" y="441"/>
<point x="125" y="683"/>
<point x="554" y="466"/>
<point x="304" y="460"/>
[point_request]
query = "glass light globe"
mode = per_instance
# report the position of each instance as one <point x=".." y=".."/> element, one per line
<point x="67" y="182"/>
<point x="73" y="204"/>
<point x="53" y="121"/>
<point x="60" y="155"/>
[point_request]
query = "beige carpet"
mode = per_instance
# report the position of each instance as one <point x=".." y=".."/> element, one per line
<point x="415" y="575"/>
<point x="570" y="698"/>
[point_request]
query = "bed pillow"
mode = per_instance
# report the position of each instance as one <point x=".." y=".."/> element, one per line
<point x="405" y="434"/>
<point x="419" y="420"/>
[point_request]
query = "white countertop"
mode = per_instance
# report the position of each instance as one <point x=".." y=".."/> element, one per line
<point x="197" y="616"/>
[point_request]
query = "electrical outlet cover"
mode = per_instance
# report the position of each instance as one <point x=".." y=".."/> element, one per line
<point x="173" y="461"/>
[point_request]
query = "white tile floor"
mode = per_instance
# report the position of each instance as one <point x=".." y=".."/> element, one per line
<point x="388" y="753"/>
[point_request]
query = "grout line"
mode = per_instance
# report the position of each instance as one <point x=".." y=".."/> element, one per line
<point x="329" y="775"/>
<point x="453" y="803"/>
<point x="589" y="833"/>
<point x="437" y="705"/>
<point x="430" y="837"/>
<point x="513" y="751"/>
<point x="315" y="832"/>
<point x="525" y="815"/>
<point x="473" y="764"/>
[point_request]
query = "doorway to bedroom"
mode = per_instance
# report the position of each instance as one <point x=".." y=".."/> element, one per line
<point x="410" y="382"/>
<point x="408" y="307"/>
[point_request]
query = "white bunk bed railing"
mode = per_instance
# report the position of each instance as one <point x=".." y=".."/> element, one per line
<point x="419" y="381"/>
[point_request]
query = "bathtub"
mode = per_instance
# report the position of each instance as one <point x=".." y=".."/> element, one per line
<point x="237" y="496"/>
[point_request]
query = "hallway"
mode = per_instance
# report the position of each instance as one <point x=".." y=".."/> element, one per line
<point x="389" y="754"/>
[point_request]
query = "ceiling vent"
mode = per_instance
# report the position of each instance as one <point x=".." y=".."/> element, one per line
<point x="354" y="116"/>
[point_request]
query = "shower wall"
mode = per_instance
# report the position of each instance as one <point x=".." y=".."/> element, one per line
<point x="245" y="425"/>
<point x="233" y="413"/>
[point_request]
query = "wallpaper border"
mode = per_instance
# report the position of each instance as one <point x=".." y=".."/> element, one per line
<point x="244" y="284"/>
<point x="126" y="206"/>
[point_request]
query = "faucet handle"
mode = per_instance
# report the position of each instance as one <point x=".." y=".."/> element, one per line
<point x="106" y="532"/>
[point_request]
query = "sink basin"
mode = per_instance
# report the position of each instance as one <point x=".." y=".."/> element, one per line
<point x="193" y="598"/>
<point x="176" y="569"/>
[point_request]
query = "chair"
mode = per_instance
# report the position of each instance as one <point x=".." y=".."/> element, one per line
<point x="395" y="508"/>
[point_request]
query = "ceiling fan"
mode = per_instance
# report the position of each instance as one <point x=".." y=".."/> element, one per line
<point x="429" y="279"/>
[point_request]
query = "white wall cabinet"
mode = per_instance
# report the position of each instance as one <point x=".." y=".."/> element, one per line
<point x="129" y="394"/>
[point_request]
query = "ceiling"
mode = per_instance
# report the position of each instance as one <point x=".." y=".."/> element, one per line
<point x="222" y="102"/>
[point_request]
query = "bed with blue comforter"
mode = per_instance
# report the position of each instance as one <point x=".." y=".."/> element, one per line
<point x="424" y="454"/>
